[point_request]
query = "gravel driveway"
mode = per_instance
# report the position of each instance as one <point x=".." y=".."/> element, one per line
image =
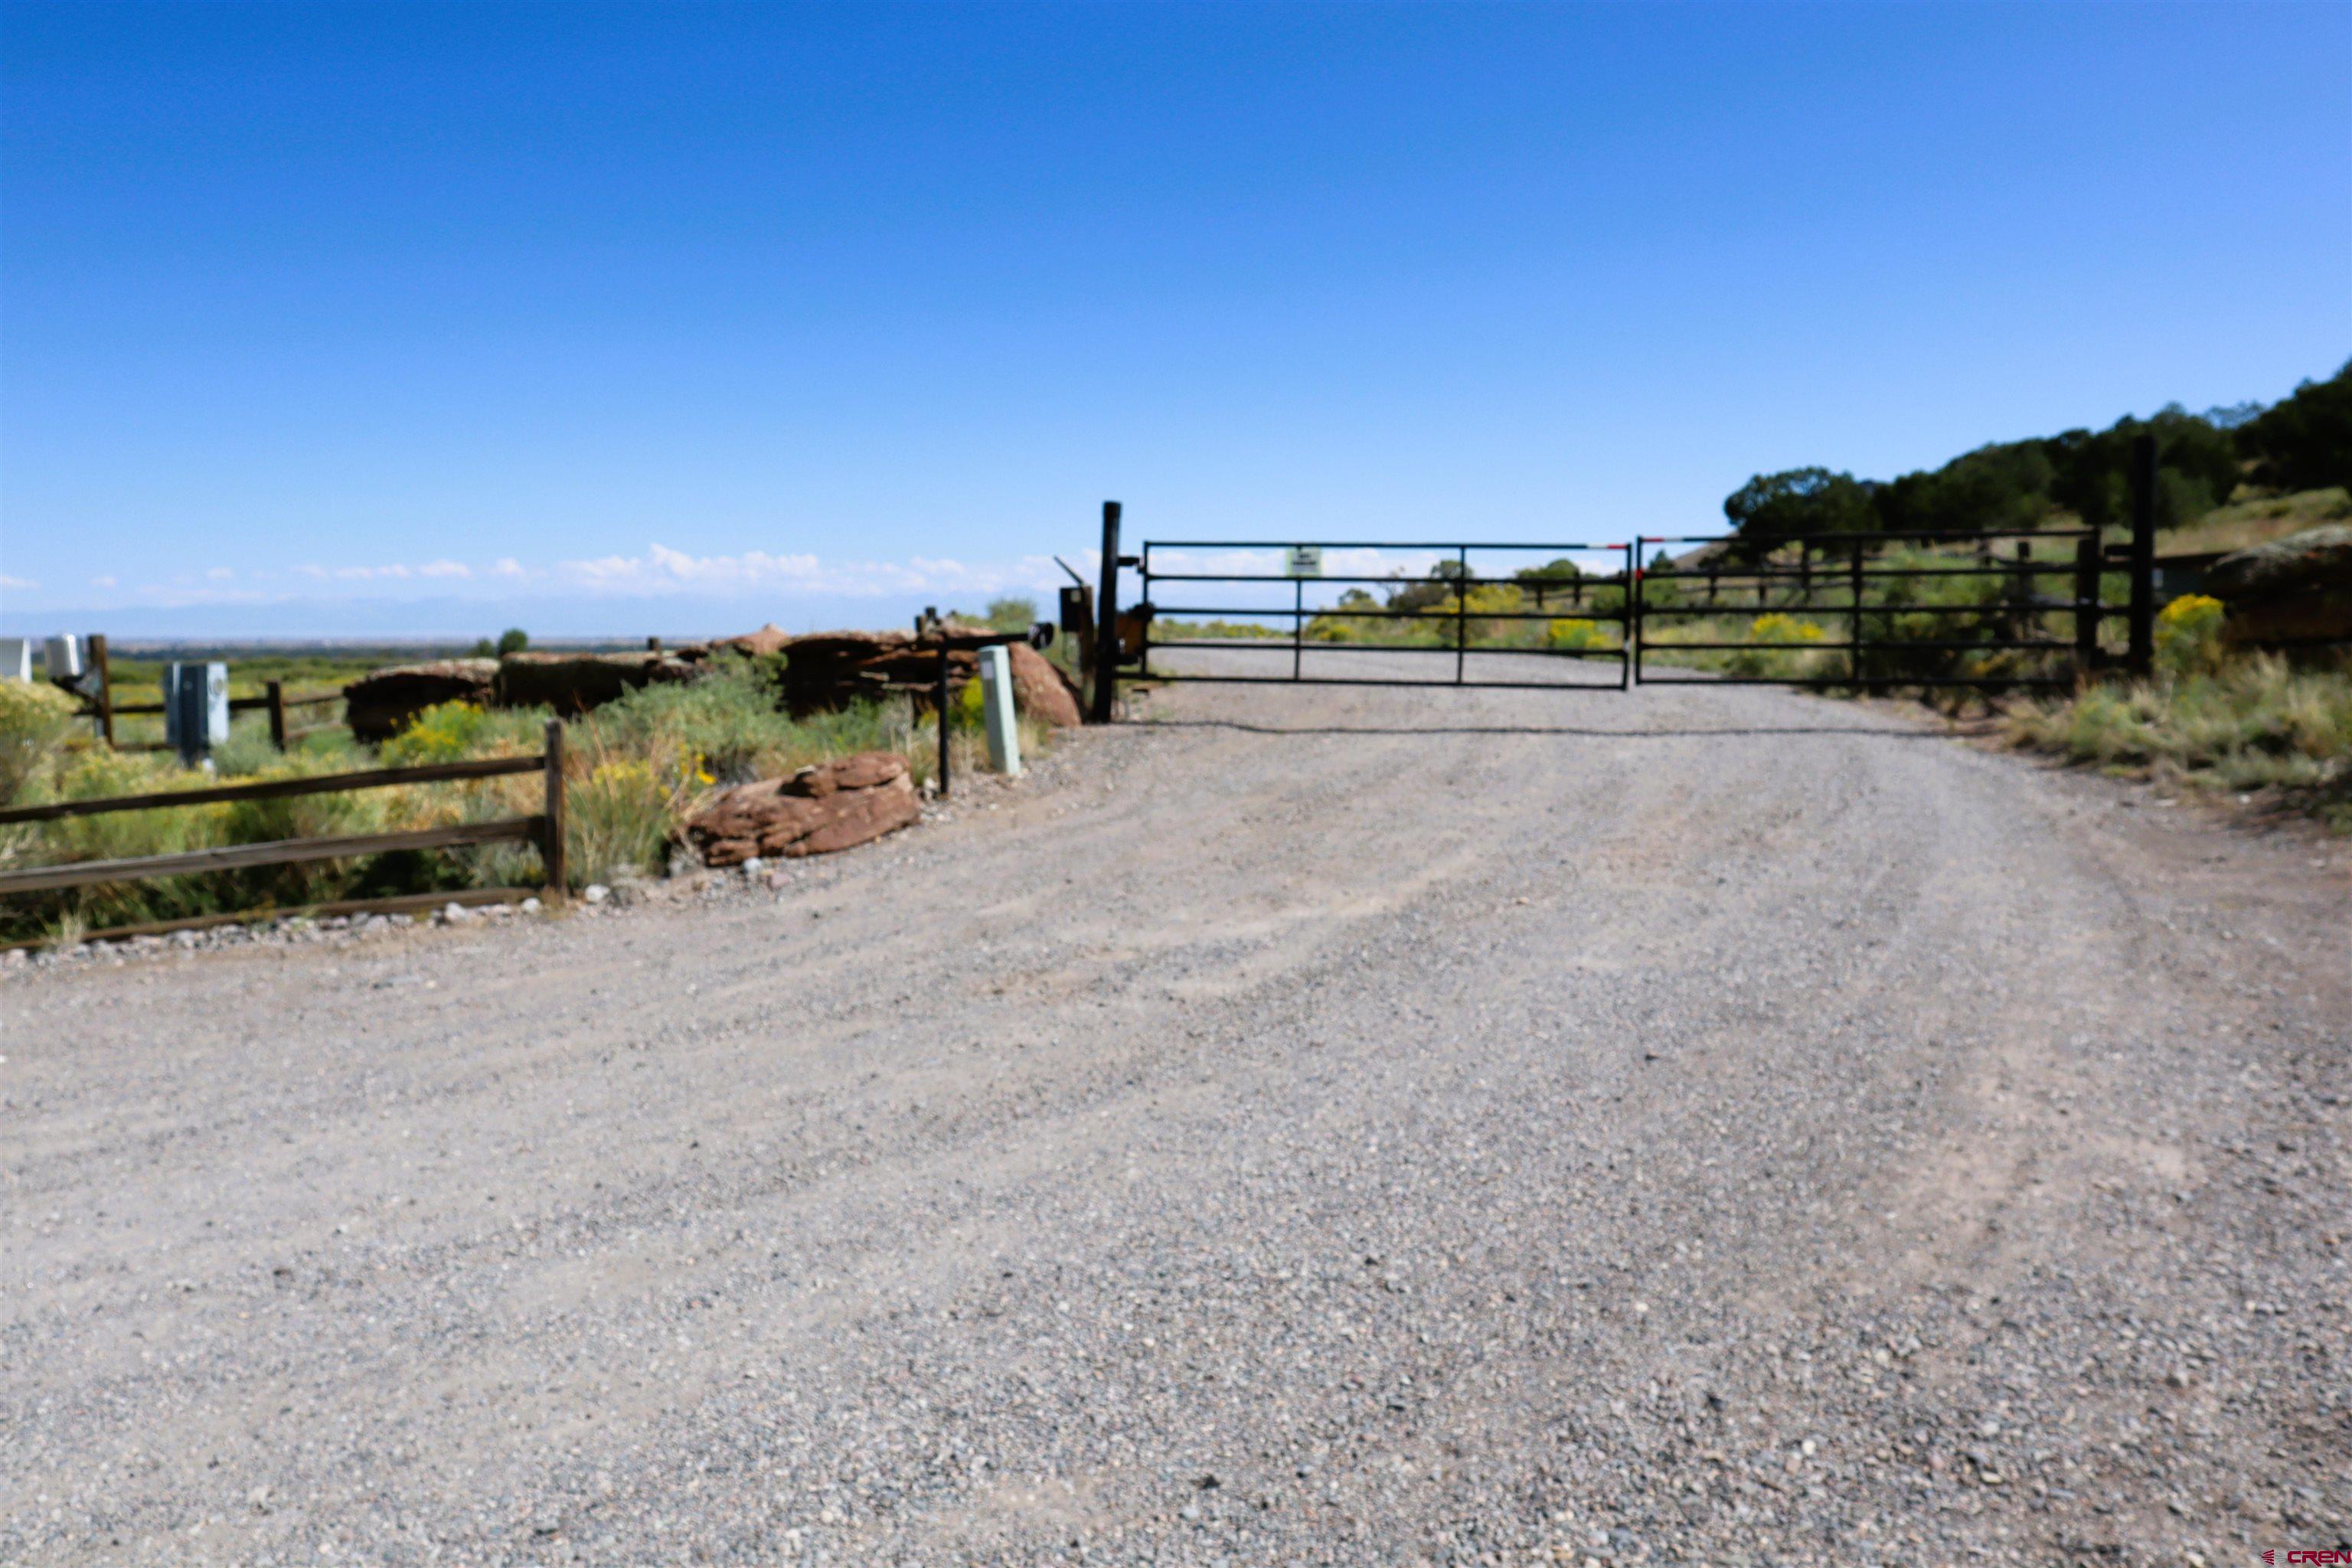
<point x="1308" y="1126"/>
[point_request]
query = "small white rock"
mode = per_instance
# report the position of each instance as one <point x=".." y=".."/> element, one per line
<point x="596" y="893"/>
<point x="754" y="866"/>
<point x="530" y="906"/>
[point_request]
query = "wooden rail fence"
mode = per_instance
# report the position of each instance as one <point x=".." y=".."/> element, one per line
<point x="545" y="828"/>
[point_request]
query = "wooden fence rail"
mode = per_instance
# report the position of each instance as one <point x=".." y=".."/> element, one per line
<point x="545" y="828"/>
<point x="278" y="789"/>
<point x="274" y="701"/>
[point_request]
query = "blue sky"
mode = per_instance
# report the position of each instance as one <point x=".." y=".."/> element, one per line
<point x="341" y="319"/>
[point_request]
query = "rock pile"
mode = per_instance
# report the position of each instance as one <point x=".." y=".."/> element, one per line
<point x="823" y="673"/>
<point x="833" y="806"/>
<point x="827" y="670"/>
<point x="2290" y="590"/>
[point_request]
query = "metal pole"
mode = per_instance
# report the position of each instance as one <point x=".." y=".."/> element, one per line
<point x="1298" y="624"/>
<point x="1106" y="622"/>
<point x="2143" y="555"/>
<point x="1632" y="603"/>
<point x="1625" y="632"/>
<point x="1460" y="611"/>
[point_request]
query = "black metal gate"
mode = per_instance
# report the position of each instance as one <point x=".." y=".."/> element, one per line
<point x="1894" y="596"/>
<point x="2001" y="629"/>
<point x="1327" y="630"/>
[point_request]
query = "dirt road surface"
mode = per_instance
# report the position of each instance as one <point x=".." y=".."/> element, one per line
<point x="1329" y="1126"/>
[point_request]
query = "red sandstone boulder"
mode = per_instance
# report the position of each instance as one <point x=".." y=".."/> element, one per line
<point x="1041" y="691"/>
<point x="833" y="806"/>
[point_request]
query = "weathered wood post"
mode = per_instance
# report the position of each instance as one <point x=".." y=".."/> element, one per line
<point x="2143" y="555"/>
<point x="276" y="690"/>
<point x="942" y="695"/>
<point x="105" y="686"/>
<point x="2086" y="606"/>
<point x="550" y="828"/>
<point x="1853" y="656"/>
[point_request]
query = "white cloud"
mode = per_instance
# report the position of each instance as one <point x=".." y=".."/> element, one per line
<point x="659" y="570"/>
<point x="8" y="581"/>
<point x="663" y="569"/>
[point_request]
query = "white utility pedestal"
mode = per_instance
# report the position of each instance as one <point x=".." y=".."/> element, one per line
<point x="996" y="706"/>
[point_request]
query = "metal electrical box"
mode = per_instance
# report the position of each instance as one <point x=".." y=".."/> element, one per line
<point x="196" y="708"/>
<point x="15" y="658"/>
<point x="63" y="655"/>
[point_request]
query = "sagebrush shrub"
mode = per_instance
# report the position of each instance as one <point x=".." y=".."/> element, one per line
<point x="34" y="719"/>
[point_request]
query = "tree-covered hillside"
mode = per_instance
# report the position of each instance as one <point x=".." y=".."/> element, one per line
<point x="2303" y="442"/>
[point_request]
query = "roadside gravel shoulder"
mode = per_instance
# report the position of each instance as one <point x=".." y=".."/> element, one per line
<point x="1300" y="1127"/>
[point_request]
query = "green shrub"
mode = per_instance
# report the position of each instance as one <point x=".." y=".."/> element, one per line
<point x="2188" y="636"/>
<point x="34" y="719"/>
<point x="617" y="820"/>
<point x="1577" y="636"/>
<point x="441" y="733"/>
<point x="1011" y="614"/>
<point x="1785" y="632"/>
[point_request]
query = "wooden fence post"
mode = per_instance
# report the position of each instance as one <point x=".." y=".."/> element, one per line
<point x="551" y="843"/>
<point x="105" y="687"/>
<point x="1853" y="656"/>
<point x="2086" y="606"/>
<point x="276" y="689"/>
<point x="2143" y="555"/>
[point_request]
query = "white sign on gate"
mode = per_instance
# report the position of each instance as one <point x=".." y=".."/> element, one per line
<point x="1305" y="561"/>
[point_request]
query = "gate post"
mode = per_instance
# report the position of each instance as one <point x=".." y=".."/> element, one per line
<point x="1107" y="645"/>
<point x="1627" y="652"/>
<point x="2143" y="556"/>
<point x="1632" y="606"/>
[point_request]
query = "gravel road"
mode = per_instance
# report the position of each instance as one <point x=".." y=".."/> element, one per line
<point x="1308" y="1126"/>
